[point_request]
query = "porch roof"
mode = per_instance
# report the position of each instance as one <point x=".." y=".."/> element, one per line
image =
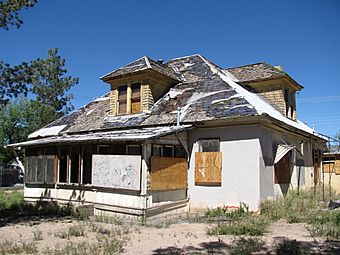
<point x="139" y="134"/>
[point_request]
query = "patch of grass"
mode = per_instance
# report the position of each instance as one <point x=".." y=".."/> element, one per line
<point x="228" y="212"/>
<point x="291" y="247"/>
<point x="9" y="247"/>
<point x="11" y="200"/>
<point x="295" y="207"/>
<point x="76" y="230"/>
<point x="326" y="224"/>
<point x="246" y="246"/>
<point x="250" y="226"/>
<point x="108" y="219"/>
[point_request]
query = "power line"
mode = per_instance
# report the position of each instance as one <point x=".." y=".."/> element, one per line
<point x="319" y="99"/>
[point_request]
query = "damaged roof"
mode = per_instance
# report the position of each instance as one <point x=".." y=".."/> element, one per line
<point x="257" y="71"/>
<point x="206" y="92"/>
<point x="142" y="64"/>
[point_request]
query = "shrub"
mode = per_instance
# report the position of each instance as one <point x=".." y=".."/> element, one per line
<point x="76" y="230"/>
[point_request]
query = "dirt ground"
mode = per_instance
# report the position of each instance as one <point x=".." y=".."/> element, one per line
<point x="50" y="236"/>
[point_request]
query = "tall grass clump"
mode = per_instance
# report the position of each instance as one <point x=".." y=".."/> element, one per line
<point x="295" y="207"/>
<point x="228" y="212"/>
<point x="9" y="200"/>
<point x="249" y="226"/>
<point x="326" y="224"/>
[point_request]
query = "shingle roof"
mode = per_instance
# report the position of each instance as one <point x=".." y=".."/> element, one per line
<point x="206" y="93"/>
<point x="144" y="63"/>
<point x="253" y="72"/>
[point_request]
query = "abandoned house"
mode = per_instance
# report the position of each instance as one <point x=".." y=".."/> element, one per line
<point x="177" y="136"/>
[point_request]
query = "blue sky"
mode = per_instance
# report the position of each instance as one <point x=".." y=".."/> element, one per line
<point x="96" y="37"/>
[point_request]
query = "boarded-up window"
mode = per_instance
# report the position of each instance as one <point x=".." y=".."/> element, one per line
<point x="116" y="171"/>
<point x="283" y="169"/>
<point x="122" y="99"/>
<point x="331" y="164"/>
<point x="135" y="98"/>
<point x="208" y="168"/>
<point x="168" y="173"/>
<point x="209" y="145"/>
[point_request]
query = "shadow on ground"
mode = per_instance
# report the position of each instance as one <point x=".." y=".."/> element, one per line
<point x="281" y="246"/>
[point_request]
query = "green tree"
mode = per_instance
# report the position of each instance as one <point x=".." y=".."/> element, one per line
<point x="19" y="118"/>
<point x="45" y="78"/>
<point x="9" y="12"/>
<point x="50" y="84"/>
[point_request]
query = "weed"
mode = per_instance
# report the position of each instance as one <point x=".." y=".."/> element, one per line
<point x="9" y="247"/>
<point x="295" y="206"/>
<point x="108" y="219"/>
<point x="76" y="230"/>
<point x="326" y="224"/>
<point x="246" y="246"/>
<point x="251" y="226"/>
<point x="228" y="212"/>
<point x="37" y="235"/>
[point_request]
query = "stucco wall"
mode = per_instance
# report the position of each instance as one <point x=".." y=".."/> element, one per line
<point x="240" y="168"/>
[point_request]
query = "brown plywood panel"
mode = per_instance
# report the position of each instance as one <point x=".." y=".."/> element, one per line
<point x="208" y="168"/>
<point x="135" y="107"/>
<point x="168" y="173"/>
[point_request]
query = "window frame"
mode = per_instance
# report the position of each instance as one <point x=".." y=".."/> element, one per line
<point x="200" y="145"/>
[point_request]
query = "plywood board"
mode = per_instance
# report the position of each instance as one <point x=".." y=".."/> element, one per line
<point x="208" y="168"/>
<point x="168" y="173"/>
<point x="116" y="171"/>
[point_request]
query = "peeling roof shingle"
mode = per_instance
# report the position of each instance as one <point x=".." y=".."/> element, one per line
<point x="253" y="72"/>
<point x="144" y="63"/>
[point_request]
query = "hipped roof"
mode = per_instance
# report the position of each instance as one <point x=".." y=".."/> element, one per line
<point x="206" y="93"/>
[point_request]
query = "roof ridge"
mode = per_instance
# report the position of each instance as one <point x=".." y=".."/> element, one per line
<point x="124" y="66"/>
<point x="257" y="63"/>
<point x="196" y="54"/>
<point x="146" y="58"/>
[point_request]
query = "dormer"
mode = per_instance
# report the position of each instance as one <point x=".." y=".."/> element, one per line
<point x="274" y="85"/>
<point x="135" y="87"/>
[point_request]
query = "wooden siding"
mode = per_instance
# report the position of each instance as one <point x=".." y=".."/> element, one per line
<point x="168" y="173"/>
<point x="208" y="168"/>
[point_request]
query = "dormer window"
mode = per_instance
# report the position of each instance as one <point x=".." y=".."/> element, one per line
<point x="135" y="98"/>
<point x="129" y="99"/>
<point x="122" y="99"/>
